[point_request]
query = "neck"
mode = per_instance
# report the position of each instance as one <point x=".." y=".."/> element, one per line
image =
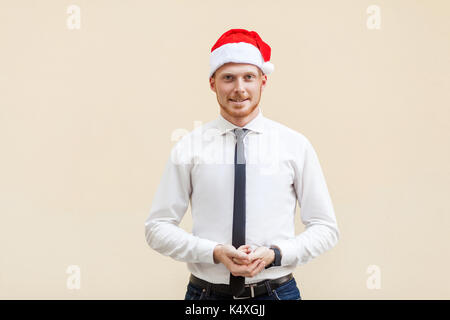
<point x="241" y="121"/>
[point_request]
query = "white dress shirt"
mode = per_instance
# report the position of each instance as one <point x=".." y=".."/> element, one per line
<point x="281" y="168"/>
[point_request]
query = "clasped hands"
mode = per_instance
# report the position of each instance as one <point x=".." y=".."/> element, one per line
<point x="243" y="261"/>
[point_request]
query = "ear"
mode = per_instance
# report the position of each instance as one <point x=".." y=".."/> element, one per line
<point x="212" y="84"/>
<point x="263" y="81"/>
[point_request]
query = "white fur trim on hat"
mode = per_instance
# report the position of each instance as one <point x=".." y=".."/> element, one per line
<point x="267" y="67"/>
<point x="239" y="52"/>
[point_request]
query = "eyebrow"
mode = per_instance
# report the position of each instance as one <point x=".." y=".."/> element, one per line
<point x="232" y="74"/>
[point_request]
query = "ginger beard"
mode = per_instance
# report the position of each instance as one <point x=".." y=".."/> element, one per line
<point x="239" y="109"/>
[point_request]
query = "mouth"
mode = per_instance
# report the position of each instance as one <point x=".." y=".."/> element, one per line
<point x="238" y="101"/>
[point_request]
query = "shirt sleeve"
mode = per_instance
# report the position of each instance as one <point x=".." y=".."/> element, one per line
<point x="316" y="210"/>
<point x="170" y="203"/>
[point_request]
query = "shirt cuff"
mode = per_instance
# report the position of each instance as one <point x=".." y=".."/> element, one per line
<point x="206" y="249"/>
<point x="288" y="252"/>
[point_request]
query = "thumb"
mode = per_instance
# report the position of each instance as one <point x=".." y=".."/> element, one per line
<point x="244" y="248"/>
<point x="238" y="254"/>
<point x="254" y="255"/>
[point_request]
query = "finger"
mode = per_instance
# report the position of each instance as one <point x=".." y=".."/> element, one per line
<point x="244" y="269"/>
<point x="261" y="250"/>
<point x="240" y="270"/>
<point x="254" y="255"/>
<point x="260" y="268"/>
<point x="245" y="261"/>
<point x="254" y="266"/>
<point x="244" y="247"/>
<point x="240" y="261"/>
<point x="240" y="255"/>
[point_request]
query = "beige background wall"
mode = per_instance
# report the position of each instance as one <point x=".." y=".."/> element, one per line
<point x="86" y="118"/>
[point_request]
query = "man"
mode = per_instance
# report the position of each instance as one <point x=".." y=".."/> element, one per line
<point x="243" y="175"/>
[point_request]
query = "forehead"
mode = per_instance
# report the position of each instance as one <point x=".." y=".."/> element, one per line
<point x="237" y="68"/>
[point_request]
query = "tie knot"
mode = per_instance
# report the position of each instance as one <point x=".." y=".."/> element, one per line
<point x="240" y="133"/>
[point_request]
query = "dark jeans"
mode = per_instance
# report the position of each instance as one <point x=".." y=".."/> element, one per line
<point x="287" y="291"/>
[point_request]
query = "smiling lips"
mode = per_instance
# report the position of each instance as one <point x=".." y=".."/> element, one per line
<point x="238" y="101"/>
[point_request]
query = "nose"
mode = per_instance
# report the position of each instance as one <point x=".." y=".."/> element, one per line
<point x="239" y="86"/>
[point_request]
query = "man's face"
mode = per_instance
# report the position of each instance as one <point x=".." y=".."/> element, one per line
<point x="238" y="88"/>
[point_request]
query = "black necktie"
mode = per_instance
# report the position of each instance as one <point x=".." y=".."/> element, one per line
<point x="237" y="282"/>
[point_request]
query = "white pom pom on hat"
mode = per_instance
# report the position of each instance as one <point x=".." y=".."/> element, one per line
<point x="241" y="46"/>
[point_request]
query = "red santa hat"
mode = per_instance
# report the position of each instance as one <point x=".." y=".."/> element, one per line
<point x="240" y="46"/>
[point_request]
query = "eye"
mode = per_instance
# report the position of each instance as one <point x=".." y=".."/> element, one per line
<point x="250" y="76"/>
<point x="227" y="77"/>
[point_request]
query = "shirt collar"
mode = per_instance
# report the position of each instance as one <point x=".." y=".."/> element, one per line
<point x="257" y="124"/>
